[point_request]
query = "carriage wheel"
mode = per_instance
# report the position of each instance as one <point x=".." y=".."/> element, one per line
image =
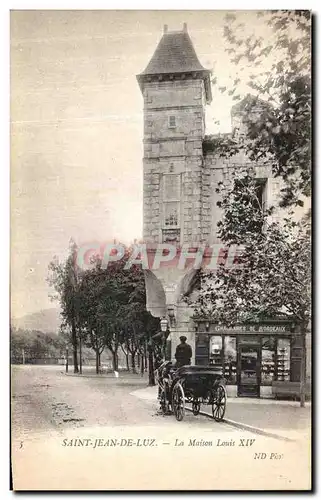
<point x="219" y="403"/>
<point x="178" y="401"/>
<point x="164" y="402"/>
<point x="196" y="406"/>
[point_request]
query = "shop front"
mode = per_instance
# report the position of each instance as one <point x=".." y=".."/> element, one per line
<point x="256" y="360"/>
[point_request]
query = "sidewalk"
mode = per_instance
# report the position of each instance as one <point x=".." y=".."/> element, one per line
<point x="279" y="419"/>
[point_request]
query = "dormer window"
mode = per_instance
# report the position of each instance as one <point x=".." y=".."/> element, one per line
<point x="172" y="121"/>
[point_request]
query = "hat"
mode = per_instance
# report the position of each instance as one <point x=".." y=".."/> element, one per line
<point x="183" y="338"/>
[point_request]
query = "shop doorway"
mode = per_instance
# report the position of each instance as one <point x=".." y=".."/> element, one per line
<point x="248" y="378"/>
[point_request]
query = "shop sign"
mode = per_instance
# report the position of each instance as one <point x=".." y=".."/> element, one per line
<point x="269" y="329"/>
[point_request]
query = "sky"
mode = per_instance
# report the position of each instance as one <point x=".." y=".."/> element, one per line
<point x="77" y="128"/>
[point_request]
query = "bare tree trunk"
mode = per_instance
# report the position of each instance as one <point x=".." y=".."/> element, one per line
<point x="74" y="345"/>
<point x="115" y="360"/>
<point x="142" y="365"/>
<point x="97" y="361"/>
<point x="145" y="356"/>
<point x="133" y="362"/>
<point x="67" y="359"/>
<point x="303" y="369"/>
<point x="126" y="356"/>
<point x="80" y="355"/>
<point x="151" y="374"/>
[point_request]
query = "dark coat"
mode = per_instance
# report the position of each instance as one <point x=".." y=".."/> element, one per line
<point x="183" y="354"/>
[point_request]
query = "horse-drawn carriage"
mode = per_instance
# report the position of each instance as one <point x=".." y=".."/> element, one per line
<point x="194" y="385"/>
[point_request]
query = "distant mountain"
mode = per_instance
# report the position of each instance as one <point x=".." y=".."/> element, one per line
<point x="46" y="320"/>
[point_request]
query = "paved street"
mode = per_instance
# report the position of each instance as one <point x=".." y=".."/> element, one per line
<point x="51" y="410"/>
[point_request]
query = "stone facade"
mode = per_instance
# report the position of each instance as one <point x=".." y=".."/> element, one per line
<point x="180" y="178"/>
<point x="173" y="151"/>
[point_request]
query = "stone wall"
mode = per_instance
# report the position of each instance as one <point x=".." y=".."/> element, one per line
<point x="176" y="150"/>
<point x="218" y="169"/>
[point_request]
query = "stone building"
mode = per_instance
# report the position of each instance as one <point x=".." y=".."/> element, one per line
<point x="181" y="171"/>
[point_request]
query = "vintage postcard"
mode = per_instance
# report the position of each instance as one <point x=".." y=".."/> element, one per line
<point x="160" y="250"/>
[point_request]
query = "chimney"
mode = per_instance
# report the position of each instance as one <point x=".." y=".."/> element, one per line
<point x="165" y="28"/>
<point x="185" y="27"/>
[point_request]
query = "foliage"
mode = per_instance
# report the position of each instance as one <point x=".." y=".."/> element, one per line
<point x="63" y="277"/>
<point x="276" y="122"/>
<point x="107" y="306"/>
<point x="272" y="273"/>
<point x="35" y="344"/>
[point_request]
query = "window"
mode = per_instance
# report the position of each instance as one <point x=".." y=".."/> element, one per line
<point x="230" y="359"/>
<point x="172" y="121"/>
<point x="237" y="127"/>
<point x="171" y="200"/>
<point x="216" y="350"/>
<point x="256" y="199"/>
<point x="171" y="214"/>
<point x="171" y="208"/>
<point x="275" y="363"/>
<point x="260" y="200"/>
<point x="172" y="187"/>
<point x="274" y="358"/>
<point x="268" y="360"/>
<point x="283" y="359"/>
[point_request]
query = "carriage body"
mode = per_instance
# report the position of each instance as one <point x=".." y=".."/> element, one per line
<point x="193" y="385"/>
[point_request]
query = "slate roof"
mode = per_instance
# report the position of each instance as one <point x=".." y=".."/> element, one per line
<point x="174" y="54"/>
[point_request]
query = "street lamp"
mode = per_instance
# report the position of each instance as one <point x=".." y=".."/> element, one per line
<point x="164" y="329"/>
<point x="164" y="325"/>
<point x="171" y="315"/>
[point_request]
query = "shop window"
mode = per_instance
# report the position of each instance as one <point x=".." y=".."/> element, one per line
<point x="216" y="351"/>
<point x="268" y="361"/>
<point x="283" y="359"/>
<point x="230" y="357"/>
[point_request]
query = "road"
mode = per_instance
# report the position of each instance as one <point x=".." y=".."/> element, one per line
<point x="64" y="427"/>
<point x="44" y="398"/>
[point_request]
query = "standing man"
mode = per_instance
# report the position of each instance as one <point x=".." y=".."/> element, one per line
<point x="183" y="353"/>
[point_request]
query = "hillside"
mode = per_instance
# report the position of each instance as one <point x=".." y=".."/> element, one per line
<point x="46" y="320"/>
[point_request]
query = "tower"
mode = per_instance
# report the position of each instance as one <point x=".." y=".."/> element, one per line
<point x="175" y="88"/>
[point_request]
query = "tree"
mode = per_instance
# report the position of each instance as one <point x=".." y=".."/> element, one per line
<point x="28" y="345"/>
<point x="139" y="324"/>
<point x="104" y="307"/>
<point x="63" y="277"/>
<point x="134" y="313"/>
<point x="279" y="132"/>
<point x="90" y="296"/>
<point x="272" y="273"/>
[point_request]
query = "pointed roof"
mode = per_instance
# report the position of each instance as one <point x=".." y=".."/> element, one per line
<point x="175" y="54"/>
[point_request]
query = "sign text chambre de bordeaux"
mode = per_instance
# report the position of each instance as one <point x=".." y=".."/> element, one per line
<point x="252" y="329"/>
